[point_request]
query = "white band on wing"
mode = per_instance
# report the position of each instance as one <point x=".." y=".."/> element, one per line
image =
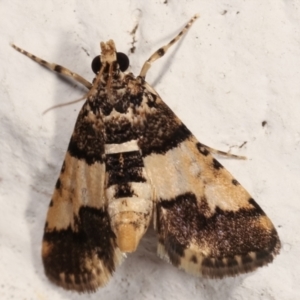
<point x="124" y="147"/>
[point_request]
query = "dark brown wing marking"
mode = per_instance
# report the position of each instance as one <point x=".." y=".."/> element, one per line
<point x="81" y="257"/>
<point x="218" y="244"/>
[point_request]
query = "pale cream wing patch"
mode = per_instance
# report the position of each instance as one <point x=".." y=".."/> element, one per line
<point x="207" y="222"/>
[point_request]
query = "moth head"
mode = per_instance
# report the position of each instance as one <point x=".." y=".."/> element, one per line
<point x="109" y="56"/>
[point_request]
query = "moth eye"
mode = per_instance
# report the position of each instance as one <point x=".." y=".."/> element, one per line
<point x="96" y="64"/>
<point x="123" y="61"/>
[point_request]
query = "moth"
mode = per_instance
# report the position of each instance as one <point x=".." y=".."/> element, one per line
<point x="130" y="161"/>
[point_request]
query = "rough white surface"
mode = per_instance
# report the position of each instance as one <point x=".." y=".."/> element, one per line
<point x="237" y="67"/>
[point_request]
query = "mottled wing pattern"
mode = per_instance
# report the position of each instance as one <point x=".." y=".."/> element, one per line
<point x="207" y="223"/>
<point x="79" y="247"/>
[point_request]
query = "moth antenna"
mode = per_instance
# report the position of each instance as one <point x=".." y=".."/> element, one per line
<point x="161" y="51"/>
<point x="55" y="67"/>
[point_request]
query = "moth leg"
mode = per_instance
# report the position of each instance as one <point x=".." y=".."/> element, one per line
<point x="56" y="68"/>
<point x="215" y="151"/>
<point x="161" y="51"/>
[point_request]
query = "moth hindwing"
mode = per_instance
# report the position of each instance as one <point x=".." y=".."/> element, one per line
<point x="130" y="160"/>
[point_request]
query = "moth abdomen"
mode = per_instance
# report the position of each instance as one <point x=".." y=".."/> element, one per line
<point x="129" y="195"/>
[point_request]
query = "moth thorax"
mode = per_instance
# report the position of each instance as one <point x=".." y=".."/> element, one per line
<point x="130" y="218"/>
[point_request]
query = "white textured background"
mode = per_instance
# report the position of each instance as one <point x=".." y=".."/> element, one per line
<point x="237" y="67"/>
